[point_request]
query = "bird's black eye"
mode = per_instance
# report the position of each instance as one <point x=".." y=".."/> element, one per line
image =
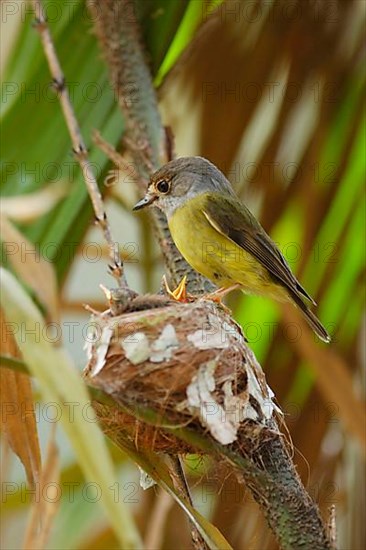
<point x="163" y="186"/>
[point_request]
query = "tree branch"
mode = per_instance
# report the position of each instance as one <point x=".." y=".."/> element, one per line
<point x="117" y="30"/>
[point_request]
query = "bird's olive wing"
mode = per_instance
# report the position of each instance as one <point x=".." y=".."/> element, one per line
<point x="233" y="220"/>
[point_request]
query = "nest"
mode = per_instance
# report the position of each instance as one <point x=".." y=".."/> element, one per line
<point x="186" y="365"/>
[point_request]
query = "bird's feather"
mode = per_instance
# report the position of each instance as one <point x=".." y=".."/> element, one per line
<point x="243" y="229"/>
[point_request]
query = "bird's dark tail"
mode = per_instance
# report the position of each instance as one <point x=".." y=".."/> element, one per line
<point x="312" y="319"/>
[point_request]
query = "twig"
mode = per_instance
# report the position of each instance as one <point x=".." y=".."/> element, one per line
<point x="78" y="144"/>
<point x="114" y="156"/>
<point x="170" y="143"/>
<point x="182" y="486"/>
<point x="332" y="525"/>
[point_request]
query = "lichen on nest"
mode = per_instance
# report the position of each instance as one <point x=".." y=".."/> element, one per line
<point x="187" y="362"/>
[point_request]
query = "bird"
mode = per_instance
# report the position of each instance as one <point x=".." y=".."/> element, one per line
<point x="219" y="236"/>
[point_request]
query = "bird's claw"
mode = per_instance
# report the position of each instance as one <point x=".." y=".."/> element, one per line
<point x="218" y="295"/>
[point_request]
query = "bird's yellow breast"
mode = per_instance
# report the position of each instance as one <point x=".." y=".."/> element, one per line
<point x="215" y="256"/>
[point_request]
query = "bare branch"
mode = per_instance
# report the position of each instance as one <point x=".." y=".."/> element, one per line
<point x="78" y="144"/>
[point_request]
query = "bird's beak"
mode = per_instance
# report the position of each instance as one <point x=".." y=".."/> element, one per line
<point x="148" y="199"/>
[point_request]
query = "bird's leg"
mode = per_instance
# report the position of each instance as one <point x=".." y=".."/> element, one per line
<point x="219" y="294"/>
<point x="180" y="293"/>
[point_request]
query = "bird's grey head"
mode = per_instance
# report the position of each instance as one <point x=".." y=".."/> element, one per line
<point x="180" y="180"/>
